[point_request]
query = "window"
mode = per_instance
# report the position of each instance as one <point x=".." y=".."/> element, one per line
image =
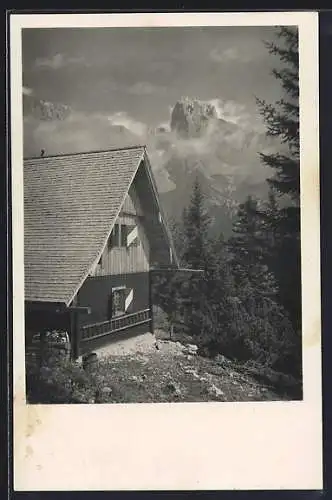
<point x="132" y="236"/>
<point x="123" y="235"/>
<point x="114" y="238"/>
<point x="120" y="301"/>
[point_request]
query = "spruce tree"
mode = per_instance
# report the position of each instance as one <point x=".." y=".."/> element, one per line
<point x="282" y="122"/>
<point x="187" y="292"/>
<point x="248" y="248"/>
<point x="282" y="118"/>
<point x="196" y="224"/>
<point x="260" y="328"/>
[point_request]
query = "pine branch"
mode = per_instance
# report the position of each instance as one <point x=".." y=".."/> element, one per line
<point x="289" y="81"/>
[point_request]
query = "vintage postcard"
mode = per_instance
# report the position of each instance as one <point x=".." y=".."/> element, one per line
<point x="166" y="251"/>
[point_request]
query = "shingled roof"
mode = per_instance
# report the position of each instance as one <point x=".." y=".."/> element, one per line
<point x="70" y="205"/>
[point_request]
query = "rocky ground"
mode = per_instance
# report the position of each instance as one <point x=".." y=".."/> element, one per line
<point x="150" y="370"/>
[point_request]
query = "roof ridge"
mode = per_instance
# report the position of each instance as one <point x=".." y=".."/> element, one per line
<point x="60" y="155"/>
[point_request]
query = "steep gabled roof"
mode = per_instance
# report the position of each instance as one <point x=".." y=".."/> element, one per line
<point x="71" y="203"/>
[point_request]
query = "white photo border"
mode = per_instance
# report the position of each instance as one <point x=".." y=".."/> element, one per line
<point x="180" y="446"/>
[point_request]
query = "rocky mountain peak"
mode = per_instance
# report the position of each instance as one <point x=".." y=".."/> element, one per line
<point x="44" y="110"/>
<point x="191" y="117"/>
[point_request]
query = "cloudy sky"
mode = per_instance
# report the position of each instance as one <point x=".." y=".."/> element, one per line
<point x="136" y="74"/>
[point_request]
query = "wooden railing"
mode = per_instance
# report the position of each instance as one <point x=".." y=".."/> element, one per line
<point x="115" y="325"/>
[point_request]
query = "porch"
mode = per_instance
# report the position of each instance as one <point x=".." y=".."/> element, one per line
<point x="92" y="336"/>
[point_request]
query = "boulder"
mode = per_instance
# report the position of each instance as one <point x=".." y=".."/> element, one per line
<point x="191" y="349"/>
<point x="215" y="391"/>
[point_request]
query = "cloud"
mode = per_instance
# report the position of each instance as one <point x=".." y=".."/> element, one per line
<point x="27" y="91"/>
<point x="123" y="119"/>
<point x="163" y="127"/>
<point x="60" y="61"/>
<point x="230" y="54"/>
<point x="238" y="114"/>
<point x="145" y="88"/>
<point x="81" y="132"/>
<point x="230" y="111"/>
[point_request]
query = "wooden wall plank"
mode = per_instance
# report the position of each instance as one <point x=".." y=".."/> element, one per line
<point x="135" y="258"/>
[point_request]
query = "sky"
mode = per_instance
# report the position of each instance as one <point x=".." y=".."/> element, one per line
<point x="138" y="74"/>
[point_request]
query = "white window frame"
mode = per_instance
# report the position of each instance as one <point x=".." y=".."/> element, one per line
<point x="126" y="243"/>
<point x="126" y="304"/>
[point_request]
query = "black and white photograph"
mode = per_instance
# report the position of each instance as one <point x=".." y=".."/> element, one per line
<point x="162" y="217"/>
<point x="162" y="203"/>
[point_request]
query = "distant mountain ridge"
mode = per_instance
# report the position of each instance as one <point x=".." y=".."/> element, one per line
<point x="221" y="153"/>
<point x="197" y="141"/>
<point x="191" y="117"/>
<point x="45" y="110"/>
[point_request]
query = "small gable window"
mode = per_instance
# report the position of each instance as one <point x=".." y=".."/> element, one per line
<point x="123" y="235"/>
<point x="123" y="232"/>
<point x="114" y="238"/>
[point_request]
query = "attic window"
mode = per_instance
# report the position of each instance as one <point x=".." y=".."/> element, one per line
<point x="123" y="235"/>
<point x="114" y="238"/>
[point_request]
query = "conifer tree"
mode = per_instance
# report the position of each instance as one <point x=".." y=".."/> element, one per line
<point x="282" y="118"/>
<point x="196" y="223"/>
<point x="282" y="122"/>
<point x="261" y="327"/>
<point x="248" y="248"/>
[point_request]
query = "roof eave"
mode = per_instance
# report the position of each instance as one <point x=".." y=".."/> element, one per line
<point x="157" y="199"/>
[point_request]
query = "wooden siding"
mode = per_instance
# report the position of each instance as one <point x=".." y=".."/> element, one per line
<point x="96" y="291"/>
<point x="141" y="210"/>
<point x="132" y="204"/>
<point x="135" y="258"/>
<point x="160" y="254"/>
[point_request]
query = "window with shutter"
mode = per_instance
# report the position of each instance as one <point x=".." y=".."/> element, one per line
<point x="124" y="235"/>
<point x="132" y="236"/>
<point x="120" y="302"/>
